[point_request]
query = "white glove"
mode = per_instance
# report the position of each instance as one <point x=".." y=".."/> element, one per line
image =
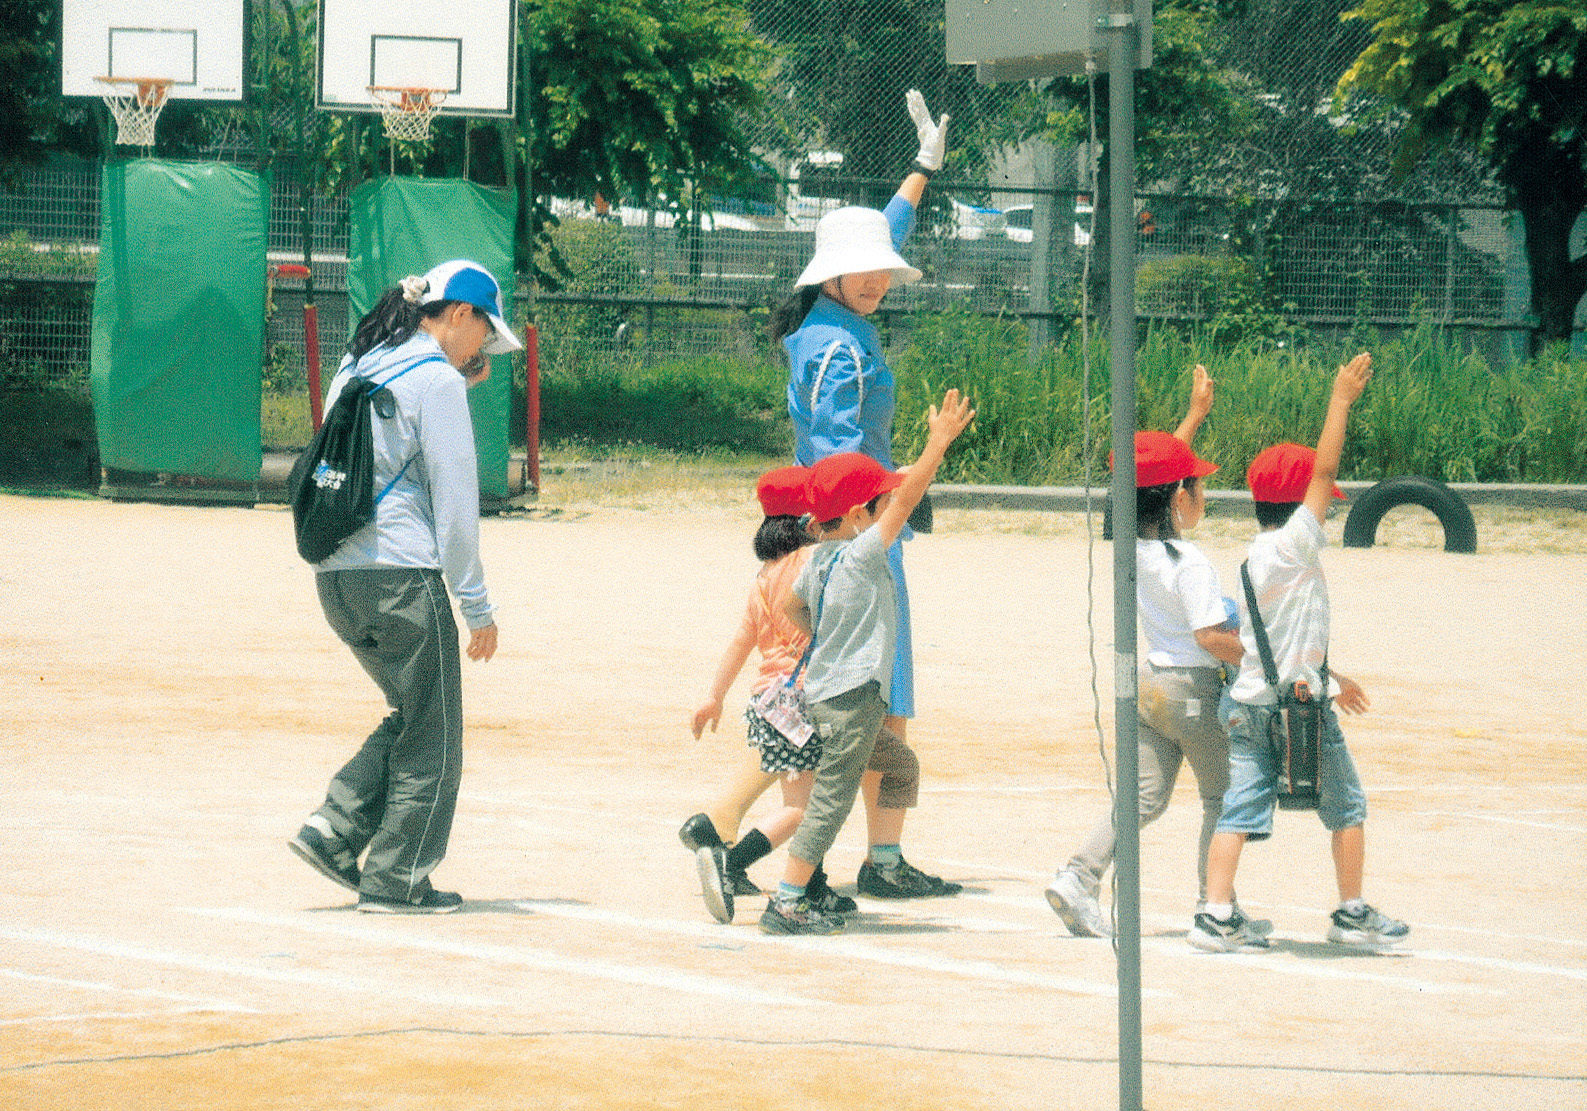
<point x="933" y="136"/>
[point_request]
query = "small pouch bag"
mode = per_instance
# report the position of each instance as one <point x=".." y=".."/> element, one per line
<point x="782" y="705"/>
<point x="1296" y="725"/>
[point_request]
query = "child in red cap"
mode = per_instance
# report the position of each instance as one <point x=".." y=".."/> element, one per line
<point x="845" y="599"/>
<point x="1292" y="487"/>
<point x="1187" y="643"/>
<point x="721" y="857"/>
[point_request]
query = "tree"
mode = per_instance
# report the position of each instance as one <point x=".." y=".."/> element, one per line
<point x="1509" y="78"/>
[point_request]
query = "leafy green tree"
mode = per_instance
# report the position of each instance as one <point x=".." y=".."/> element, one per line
<point x="1508" y="77"/>
<point x="34" y="119"/>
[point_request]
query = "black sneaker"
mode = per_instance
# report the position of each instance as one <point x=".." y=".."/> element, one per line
<point x="698" y="832"/>
<point x="797" y="916"/>
<point x="902" y="881"/>
<point x="711" y="863"/>
<point x="739" y="883"/>
<point x="329" y="858"/>
<point x="433" y="902"/>
<point x="824" y="899"/>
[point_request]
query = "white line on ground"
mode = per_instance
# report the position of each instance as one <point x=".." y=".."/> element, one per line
<point x="198" y="1002"/>
<point x="514" y="955"/>
<point x="91" y="1016"/>
<point x="1504" y="820"/>
<point x="196" y="963"/>
<point x="846" y="948"/>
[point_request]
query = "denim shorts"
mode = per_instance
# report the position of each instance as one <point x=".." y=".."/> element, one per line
<point x="1253" y="774"/>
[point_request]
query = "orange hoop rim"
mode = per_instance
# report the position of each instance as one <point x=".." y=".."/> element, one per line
<point x="152" y="91"/>
<point x="408" y="98"/>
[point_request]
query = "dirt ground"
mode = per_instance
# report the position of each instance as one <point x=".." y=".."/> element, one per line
<point x="177" y="705"/>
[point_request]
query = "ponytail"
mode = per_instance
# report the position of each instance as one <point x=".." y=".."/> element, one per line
<point x="394" y="318"/>
<point x="790" y="315"/>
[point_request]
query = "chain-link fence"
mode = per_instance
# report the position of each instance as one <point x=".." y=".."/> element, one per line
<point x="1300" y="216"/>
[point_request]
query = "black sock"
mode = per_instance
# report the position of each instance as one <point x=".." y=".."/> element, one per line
<point x="750" y="848"/>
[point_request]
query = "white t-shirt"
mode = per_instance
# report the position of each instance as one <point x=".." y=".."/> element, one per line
<point x="1286" y="574"/>
<point x="1176" y="597"/>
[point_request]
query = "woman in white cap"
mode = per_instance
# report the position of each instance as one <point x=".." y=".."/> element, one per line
<point x="841" y="398"/>
<point x="384" y="590"/>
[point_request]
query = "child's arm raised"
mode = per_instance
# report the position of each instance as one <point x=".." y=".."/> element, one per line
<point x="1348" y="384"/>
<point x="1200" y="405"/>
<point x="945" y="424"/>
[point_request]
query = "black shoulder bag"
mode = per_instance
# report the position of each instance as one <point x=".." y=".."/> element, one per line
<point x="1295" y="729"/>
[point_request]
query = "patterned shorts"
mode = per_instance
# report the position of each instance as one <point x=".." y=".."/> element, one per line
<point x="777" y="755"/>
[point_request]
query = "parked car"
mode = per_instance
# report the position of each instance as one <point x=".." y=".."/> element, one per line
<point x="976" y="221"/>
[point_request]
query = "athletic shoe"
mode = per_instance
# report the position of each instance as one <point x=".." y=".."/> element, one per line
<point x="1068" y="896"/>
<point x="433" y="902"/>
<point x="902" y="881"/>
<point x="739" y="883"/>
<point x="330" y="859"/>
<point x="711" y="862"/>
<point x="1262" y="927"/>
<point x="823" y="898"/>
<point x="797" y="916"/>
<point x="1224" y="936"/>
<point x="1366" y="929"/>
<point x="697" y="833"/>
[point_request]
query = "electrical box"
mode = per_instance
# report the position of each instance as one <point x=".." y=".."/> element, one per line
<point x="1016" y="40"/>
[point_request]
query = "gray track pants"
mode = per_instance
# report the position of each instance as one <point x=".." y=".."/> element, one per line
<point x="397" y="795"/>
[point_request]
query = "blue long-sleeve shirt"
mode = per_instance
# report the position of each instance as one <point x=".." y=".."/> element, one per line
<point x="841" y="395"/>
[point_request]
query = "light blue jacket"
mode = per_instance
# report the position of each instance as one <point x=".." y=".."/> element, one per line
<point x="430" y="517"/>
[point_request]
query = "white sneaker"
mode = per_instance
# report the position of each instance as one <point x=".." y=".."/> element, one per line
<point x="1231" y="935"/>
<point x="1261" y="927"/>
<point x="1367" y="929"/>
<point x="1068" y="896"/>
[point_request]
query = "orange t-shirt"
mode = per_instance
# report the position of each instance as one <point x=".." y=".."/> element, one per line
<point x="780" y="641"/>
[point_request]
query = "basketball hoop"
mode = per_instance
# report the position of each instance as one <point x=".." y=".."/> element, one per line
<point x="136" y="104"/>
<point x="407" y="112"/>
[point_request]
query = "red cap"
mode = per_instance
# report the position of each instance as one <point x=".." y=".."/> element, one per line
<point x="840" y="482"/>
<point x="1161" y="458"/>
<point x="1282" y="473"/>
<point x="782" y="492"/>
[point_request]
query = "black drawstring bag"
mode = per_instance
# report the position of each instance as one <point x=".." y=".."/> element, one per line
<point x="332" y="484"/>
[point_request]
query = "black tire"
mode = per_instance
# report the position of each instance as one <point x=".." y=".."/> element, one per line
<point x="1361" y="526"/>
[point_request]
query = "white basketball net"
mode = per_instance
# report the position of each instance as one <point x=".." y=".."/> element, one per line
<point x="136" y="104"/>
<point x="407" y="112"/>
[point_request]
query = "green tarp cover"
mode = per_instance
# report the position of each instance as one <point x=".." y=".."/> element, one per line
<point x="179" y="313"/>
<point x="403" y="226"/>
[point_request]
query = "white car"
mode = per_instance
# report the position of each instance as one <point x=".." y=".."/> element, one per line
<point x="976" y="222"/>
<point x="1020" y="218"/>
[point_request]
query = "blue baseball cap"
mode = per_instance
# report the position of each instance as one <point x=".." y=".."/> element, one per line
<point x="471" y="283"/>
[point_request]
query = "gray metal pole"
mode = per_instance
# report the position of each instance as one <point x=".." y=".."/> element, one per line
<point x="1122" y="47"/>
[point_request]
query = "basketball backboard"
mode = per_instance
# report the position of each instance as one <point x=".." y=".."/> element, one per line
<point x="196" y="44"/>
<point x="470" y="54"/>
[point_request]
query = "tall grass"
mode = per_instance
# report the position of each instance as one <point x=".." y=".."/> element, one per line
<point x="1432" y="408"/>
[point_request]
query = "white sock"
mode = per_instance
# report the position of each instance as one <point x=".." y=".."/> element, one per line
<point x="1221" y="911"/>
<point x="1353" y="906"/>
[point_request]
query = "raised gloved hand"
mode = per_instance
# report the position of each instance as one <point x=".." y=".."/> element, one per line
<point x="933" y="136"/>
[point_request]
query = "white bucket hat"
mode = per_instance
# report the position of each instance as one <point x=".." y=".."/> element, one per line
<point x="854" y="240"/>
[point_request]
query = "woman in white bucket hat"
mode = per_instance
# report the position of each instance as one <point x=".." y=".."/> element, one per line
<point x="841" y="398"/>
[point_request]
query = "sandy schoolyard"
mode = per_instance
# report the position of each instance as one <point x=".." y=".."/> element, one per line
<point x="175" y="705"/>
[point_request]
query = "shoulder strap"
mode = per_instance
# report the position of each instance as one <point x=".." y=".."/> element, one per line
<point x="826" y="361"/>
<point x="1269" y="668"/>
<point x="815" y="625"/>
<point x="1265" y="650"/>
<point x="371" y="388"/>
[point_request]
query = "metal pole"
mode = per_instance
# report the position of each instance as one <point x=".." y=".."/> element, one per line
<point x="1122" y="48"/>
